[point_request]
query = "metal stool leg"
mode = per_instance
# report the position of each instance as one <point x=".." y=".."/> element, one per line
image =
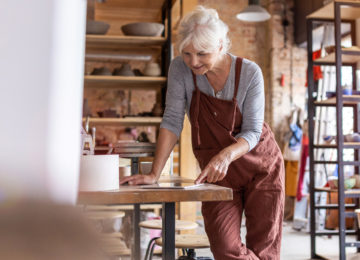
<point x="152" y="248"/>
<point x="183" y="251"/>
<point x="151" y="242"/>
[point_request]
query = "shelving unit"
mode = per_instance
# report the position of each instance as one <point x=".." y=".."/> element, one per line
<point x="116" y="47"/>
<point x="113" y="45"/>
<point x="126" y="121"/>
<point x="117" y="41"/>
<point x="336" y="12"/>
<point x="122" y="82"/>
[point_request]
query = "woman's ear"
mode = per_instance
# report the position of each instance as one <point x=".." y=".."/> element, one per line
<point x="220" y="46"/>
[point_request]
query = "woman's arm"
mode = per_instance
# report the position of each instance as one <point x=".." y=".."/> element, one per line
<point x="170" y="127"/>
<point x="253" y="107"/>
<point x="164" y="146"/>
<point x="218" y="166"/>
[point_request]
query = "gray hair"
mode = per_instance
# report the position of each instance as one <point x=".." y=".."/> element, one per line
<point x="203" y="28"/>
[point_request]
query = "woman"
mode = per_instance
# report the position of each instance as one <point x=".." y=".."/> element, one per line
<point x="224" y="98"/>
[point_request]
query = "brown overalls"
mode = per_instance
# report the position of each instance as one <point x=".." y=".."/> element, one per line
<point x="257" y="180"/>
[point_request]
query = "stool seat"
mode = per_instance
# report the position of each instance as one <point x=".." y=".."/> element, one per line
<point x="114" y="246"/>
<point x="179" y="224"/>
<point x="99" y="215"/>
<point x="188" y="241"/>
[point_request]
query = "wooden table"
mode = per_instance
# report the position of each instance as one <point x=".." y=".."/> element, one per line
<point x="136" y="195"/>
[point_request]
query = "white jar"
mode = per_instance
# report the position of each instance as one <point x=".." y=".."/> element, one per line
<point x="152" y="69"/>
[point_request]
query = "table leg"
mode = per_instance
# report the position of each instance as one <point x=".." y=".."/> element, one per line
<point x="168" y="231"/>
<point x="135" y="254"/>
<point x="134" y="165"/>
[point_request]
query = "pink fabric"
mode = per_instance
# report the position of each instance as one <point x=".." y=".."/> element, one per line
<point x="304" y="156"/>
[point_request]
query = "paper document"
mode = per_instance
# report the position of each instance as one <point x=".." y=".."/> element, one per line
<point x="171" y="185"/>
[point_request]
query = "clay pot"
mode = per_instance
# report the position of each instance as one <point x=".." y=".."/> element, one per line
<point x="125" y="70"/>
<point x="143" y="29"/>
<point x="152" y="69"/>
<point x="101" y="71"/>
<point x="137" y="72"/>
<point x="96" y="27"/>
<point x="157" y="110"/>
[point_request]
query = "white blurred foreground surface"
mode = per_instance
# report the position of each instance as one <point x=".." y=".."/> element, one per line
<point x="99" y="172"/>
<point x="41" y="81"/>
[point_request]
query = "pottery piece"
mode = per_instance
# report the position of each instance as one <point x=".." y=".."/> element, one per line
<point x="143" y="29"/>
<point x="145" y="167"/>
<point x="125" y="70"/>
<point x="152" y="69"/>
<point x="331" y="48"/>
<point x="349" y="183"/>
<point x="96" y="27"/>
<point x="101" y="71"/>
<point x="347" y="90"/>
<point x="109" y="113"/>
<point x="137" y="72"/>
<point x="355" y="137"/>
<point x="157" y="110"/>
<point x="330" y="94"/>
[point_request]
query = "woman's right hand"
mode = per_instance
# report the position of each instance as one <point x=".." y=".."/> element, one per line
<point x="137" y="179"/>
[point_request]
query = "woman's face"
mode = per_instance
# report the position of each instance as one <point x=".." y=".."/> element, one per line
<point x="200" y="62"/>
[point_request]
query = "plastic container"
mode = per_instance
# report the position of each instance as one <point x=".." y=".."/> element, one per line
<point x="347" y="90"/>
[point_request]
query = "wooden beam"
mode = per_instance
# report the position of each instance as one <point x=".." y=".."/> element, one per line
<point x="187" y="161"/>
<point x="90" y="11"/>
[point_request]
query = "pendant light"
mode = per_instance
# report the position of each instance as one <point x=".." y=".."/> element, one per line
<point x="253" y="13"/>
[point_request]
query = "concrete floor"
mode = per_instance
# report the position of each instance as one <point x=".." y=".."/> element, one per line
<point x="296" y="245"/>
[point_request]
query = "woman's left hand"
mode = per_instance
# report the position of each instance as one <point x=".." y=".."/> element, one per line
<point x="216" y="169"/>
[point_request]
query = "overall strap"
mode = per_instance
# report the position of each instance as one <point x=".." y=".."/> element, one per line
<point x="197" y="109"/>
<point x="237" y="75"/>
<point x="236" y="87"/>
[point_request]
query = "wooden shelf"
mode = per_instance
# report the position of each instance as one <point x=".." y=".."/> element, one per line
<point x="123" y="82"/>
<point x="117" y="41"/>
<point x="346" y="145"/>
<point x="349" y="192"/>
<point x="349" y="55"/>
<point x="144" y="207"/>
<point x="327" y="11"/>
<point x="347" y="100"/>
<point x="127" y="121"/>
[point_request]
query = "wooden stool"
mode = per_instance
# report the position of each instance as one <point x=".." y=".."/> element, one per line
<point x="111" y="243"/>
<point x="157" y="224"/>
<point x="179" y="224"/>
<point x="189" y="243"/>
<point x="113" y="246"/>
<point x="100" y="215"/>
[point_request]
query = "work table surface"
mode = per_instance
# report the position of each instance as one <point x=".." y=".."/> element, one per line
<point x="135" y="194"/>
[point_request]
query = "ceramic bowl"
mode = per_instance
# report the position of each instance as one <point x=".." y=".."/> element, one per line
<point x="347" y="91"/>
<point x="357" y="211"/>
<point x="96" y="27"/>
<point x="101" y="71"/>
<point x="349" y="183"/>
<point x="125" y="70"/>
<point x="330" y="94"/>
<point x="152" y="69"/>
<point x="143" y="29"/>
<point x="355" y="137"/>
<point x="330" y="49"/>
<point x="145" y="167"/>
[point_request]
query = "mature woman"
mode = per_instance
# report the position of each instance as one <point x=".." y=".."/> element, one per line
<point x="224" y="98"/>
